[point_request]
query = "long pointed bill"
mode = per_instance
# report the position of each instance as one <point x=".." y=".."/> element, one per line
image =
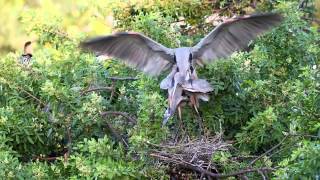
<point x="166" y="117"/>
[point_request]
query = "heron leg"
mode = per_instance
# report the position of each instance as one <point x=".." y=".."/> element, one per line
<point x="200" y="121"/>
<point x="195" y="104"/>
<point x="180" y="126"/>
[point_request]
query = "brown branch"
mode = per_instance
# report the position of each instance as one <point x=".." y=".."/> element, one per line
<point x="118" y="113"/>
<point x="96" y="89"/>
<point x="273" y="148"/>
<point x="305" y="135"/>
<point x="279" y="144"/>
<point x="262" y="175"/>
<point x="112" y="91"/>
<point x="116" y="135"/>
<point x="122" y="78"/>
<point x="32" y="96"/>
<point x="69" y="143"/>
<point x="312" y="20"/>
<point x="215" y="175"/>
<point x="64" y="156"/>
<point x="46" y="158"/>
<point x="241" y="172"/>
<point x="59" y="33"/>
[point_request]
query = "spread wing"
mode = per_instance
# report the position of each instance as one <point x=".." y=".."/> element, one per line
<point x="136" y="50"/>
<point x="233" y="35"/>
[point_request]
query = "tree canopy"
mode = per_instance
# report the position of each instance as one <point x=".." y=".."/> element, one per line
<point x="69" y="115"/>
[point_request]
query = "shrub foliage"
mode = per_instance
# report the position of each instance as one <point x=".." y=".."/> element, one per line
<point x="51" y="122"/>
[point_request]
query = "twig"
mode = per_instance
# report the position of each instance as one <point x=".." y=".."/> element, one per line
<point x="206" y="172"/>
<point x="262" y="175"/>
<point x="312" y="20"/>
<point x="305" y="135"/>
<point x="112" y="90"/>
<point x="274" y="147"/>
<point x="183" y="145"/>
<point x="46" y="158"/>
<point x="244" y="177"/>
<point x="123" y="78"/>
<point x="32" y="96"/>
<point x="59" y="33"/>
<point x="116" y="134"/>
<point x="302" y="4"/>
<point x="118" y="113"/>
<point x="241" y="172"/>
<point x="208" y="167"/>
<point x="64" y="156"/>
<point x="69" y="143"/>
<point x="96" y="89"/>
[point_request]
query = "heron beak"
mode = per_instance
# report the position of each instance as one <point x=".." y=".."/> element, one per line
<point x="166" y="117"/>
<point x="174" y="89"/>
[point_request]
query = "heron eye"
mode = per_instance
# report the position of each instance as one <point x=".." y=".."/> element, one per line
<point x="190" y="58"/>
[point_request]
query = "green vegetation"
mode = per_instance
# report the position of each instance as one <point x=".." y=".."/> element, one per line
<point x="51" y="127"/>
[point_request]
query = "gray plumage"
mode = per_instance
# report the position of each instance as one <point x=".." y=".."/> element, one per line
<point x="182" y="83"/>
<point x="26" y="57"/>
<point x="233" y="35"/>
<point x="134" y="49"/>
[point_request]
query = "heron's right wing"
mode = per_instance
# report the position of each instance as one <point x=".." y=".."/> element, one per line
<point x="233" y="35"/>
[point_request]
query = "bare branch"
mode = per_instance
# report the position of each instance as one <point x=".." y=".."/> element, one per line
<point x="96" y="89"/>
<point x="279" y="144"/>
<point x="208" y="173"/>
<point x="32" y="96"/>
<point x="123" y="78"/>
<point x="311" y="19"/>
<point x="265" y="153"/>
<point x="118" y="113"/>
<point x="116" y="134"/>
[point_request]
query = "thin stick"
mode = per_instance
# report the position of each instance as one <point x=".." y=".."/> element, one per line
<point x="206" y="172"/>
<point x="123" y="78"/>
<point x="116" y="134"/>
<point x="32" y="96"/>
<point x="274" y="147"/>
<point x="112" y="90"/>
<point x="123" y="114"/>
<point x="96" y="89"/>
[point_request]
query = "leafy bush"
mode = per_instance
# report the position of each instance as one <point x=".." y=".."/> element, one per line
<point x="51" y="124"/>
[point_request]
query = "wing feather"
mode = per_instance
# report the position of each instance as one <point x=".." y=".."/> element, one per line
<point x="136" y="50"/>
<point x="233" y="35"/>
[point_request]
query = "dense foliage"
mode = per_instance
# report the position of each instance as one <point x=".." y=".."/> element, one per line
<point x="51" y="124"/>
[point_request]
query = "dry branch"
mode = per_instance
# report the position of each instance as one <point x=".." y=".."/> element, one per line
<point x="118" y="113"/>
<point x="265" y="153"/>
<point x="201" y="170"/>
<point x="116" y="135"/>
<point x="279" y="144"/>
<point x="32" y="96"/>
<point x="96" y="89"/>
<point x="194" y="153"/>
<point x="123" y="78"/>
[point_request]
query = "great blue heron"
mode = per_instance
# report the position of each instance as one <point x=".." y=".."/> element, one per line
<point x="27" y="54"/>
<point x="182" y="83"/>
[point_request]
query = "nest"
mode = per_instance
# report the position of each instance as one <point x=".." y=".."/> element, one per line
<point x="192" y="154"/>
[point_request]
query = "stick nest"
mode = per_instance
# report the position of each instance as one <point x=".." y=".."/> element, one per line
<point x="196" y="153"/>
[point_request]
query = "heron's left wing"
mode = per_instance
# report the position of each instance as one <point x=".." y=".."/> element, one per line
<point x="134" y="49"/>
